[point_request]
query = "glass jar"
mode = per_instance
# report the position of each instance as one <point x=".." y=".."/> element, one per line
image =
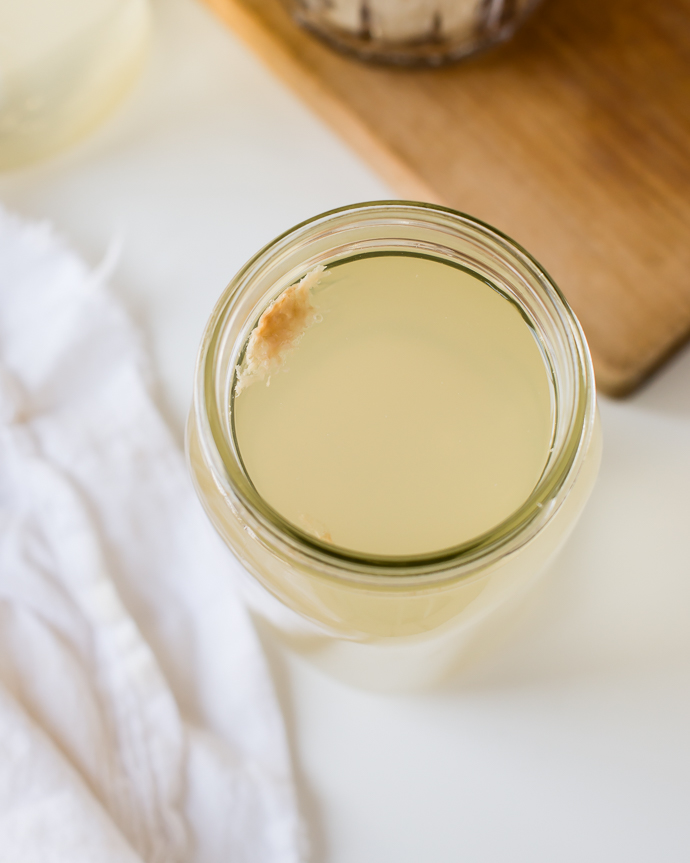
<point x="63" y="67"/>
<point x="391" y="622"/>
<point x="411" y="32"/>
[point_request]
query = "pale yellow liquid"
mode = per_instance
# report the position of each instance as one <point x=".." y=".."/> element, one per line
<point x="416" y="415"/>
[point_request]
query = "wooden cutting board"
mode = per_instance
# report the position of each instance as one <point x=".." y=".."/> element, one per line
<point x="574" y="139"/>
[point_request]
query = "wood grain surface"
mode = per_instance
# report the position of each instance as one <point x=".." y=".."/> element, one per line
<point x="574" y="139"/>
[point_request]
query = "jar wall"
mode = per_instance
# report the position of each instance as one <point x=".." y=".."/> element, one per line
<point x="369" y="612"/>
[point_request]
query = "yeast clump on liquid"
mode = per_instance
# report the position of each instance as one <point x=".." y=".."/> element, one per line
<point x="279" y="331"/>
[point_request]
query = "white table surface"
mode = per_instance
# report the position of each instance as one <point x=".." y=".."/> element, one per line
<point x="570" y="742"/>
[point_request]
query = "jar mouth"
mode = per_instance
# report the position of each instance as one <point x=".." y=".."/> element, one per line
<point x="492" y="257"/>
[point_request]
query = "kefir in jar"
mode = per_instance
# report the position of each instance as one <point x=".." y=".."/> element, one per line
<point x="394" y="429"/>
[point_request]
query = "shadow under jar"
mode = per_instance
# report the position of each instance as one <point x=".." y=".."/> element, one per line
<point x="425" y="450"/>
<point x="411" y="32"/>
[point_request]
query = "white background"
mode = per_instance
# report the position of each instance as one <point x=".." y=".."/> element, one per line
<point x="570" y="742"/>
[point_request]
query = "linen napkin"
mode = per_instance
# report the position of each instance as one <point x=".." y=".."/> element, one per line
<point x="137" y="719"/>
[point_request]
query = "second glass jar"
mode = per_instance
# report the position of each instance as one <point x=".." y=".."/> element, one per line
<point x="413" y="32"/>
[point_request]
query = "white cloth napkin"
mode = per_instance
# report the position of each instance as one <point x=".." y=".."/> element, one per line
<point x="137" y="719"/>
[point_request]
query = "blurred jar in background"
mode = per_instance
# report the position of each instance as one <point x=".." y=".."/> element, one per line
<point x="64" y="65"/>
<point x="411" y="32"/>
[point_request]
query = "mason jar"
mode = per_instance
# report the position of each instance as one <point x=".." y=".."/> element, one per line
<point x="411" y="32"/>
<point x="64" y="66"/>
<point x="377" y="620"/>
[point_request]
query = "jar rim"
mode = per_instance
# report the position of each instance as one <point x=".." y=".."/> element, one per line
<point x="212" y="405"/>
